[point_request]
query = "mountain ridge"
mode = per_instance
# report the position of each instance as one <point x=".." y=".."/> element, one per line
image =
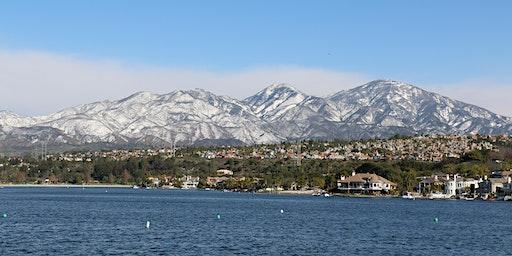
<point x="277" y="113"/>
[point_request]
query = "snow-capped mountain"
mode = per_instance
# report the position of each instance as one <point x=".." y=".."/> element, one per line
<point x="282" y="102"/>
<point x="389" y="103"/>
<point x="280" y="112"/>
<point x="296" y="114"/>
<point x="182" y="117"/>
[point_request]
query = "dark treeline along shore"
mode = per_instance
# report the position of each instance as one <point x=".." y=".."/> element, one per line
<point x="248" y="173"/>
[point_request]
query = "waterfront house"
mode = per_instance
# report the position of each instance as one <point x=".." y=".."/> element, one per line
<point x="448" y="184"/>
<point x="154" y="181"/>
<point x="507" y="187"/>
<point x="189" y="182"/>
<point x="434" y="183"/>
<point x="499" y="183"/>
<point x="467" y="185"/>
<point x="457" y="185"/>
<point x="491" y="186"/>
<point x="368" y="183"/>
<point x="450" y="187"/>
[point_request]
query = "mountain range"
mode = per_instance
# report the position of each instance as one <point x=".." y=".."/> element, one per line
<point x="280" y="112"/>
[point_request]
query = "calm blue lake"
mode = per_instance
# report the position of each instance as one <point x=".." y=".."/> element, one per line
<point x="60" y="221"/>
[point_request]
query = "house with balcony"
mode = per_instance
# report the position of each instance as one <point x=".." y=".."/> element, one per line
<point x="500" y="183"/>
<point x="365" y="183"/>
<point x="430" y="184"/>
<point x="451" y="185"/>
<point x="457" y="185"/>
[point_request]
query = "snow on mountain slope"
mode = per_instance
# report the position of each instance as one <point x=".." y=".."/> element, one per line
<point x="11" y="119"/>
<point x="282" y="102"/>
<point x="380" y="108"/>
<point x="275" y="100"/>
<point x="392" y="103"/>
<point x="181" y="116"/>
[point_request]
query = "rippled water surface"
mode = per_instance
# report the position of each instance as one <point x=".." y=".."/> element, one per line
<point x="75" y="221"/>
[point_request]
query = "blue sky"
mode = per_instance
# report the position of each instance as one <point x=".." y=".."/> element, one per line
<point x="437" y="44"/>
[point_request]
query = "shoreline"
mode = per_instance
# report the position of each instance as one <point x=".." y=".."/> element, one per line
<point x="317" y="193"/>
<point x="282" y="193"/>
<point x="63" y="185"/>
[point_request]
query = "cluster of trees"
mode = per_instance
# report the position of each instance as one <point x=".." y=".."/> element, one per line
<point x="268" y="172"/>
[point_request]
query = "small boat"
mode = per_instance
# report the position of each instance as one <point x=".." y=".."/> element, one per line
<point x="135" y="187"/>
<point x="327" y="195"/>
<point x="469" y="198"/>
<point x="409" y="196"/>
<point x="507" y="198"/>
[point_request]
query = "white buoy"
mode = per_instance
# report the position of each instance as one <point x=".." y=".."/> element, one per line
<point x="282" y="211"/>
<point x="147" y="224"/>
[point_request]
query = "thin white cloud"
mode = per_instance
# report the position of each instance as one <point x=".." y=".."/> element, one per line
<point x="35" y="83"/>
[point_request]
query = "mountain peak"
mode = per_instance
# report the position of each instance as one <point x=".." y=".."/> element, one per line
<point x="280" y="85"/>
<point x="382" y="80"/>
<point x="142" y="96"/>
<point x="388" y="83"/>
<point x="393" y="85"/>
<point x="275" y="98"/>
<point x="276" y="91"/>
<point x="279" y="88"/>
<point x="198" y="93"/>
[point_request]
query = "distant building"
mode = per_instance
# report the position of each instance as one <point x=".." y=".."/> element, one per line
<point x="434" y="183"/>
<point x="154" y="181"/>
<point x="457" y="185"/>
<point x="451" y="185"/>
<point x="224" y="172"/>
<point x="365" y="183"/>
<point x="215" y="181"/>
<point x="507" y="188"/>
<point x="189" y="182"/>
<point x="494" y="186"/>
<point x="467" y="185"/>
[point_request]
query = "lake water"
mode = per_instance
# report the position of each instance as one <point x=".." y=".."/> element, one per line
<point x="75" y="221"/>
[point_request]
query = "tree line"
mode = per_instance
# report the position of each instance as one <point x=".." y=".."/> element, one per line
<point x="317" y="173"/>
